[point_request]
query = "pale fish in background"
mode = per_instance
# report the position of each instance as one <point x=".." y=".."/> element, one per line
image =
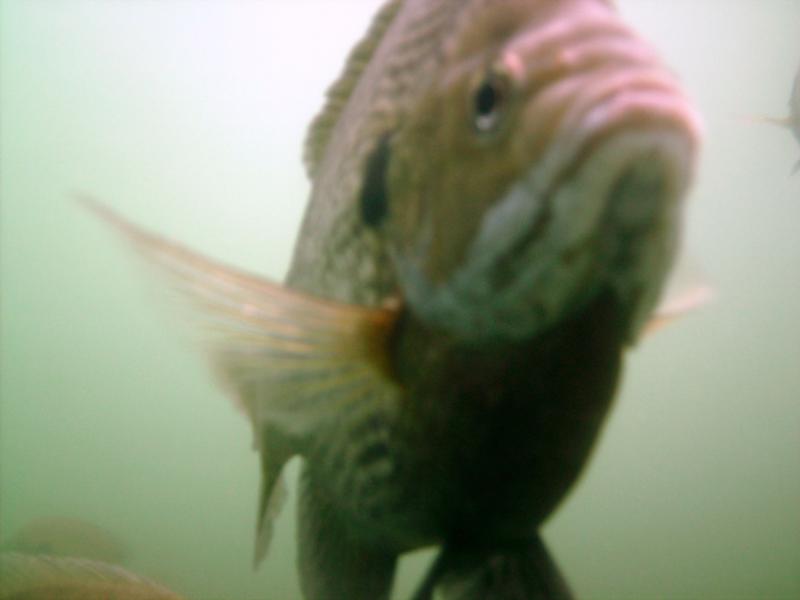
<point x="497" y="202"/>
<point x="67" y="536"/>
<point x="42" y="577"/>
<point x="792" y="121"/>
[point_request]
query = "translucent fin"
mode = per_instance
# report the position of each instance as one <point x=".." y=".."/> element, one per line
<point x="292" y="362"/>
<point x="779" y="121"/>
<point x="789" y="122"/>
<point x="687" y="290"/>
<point x="45" y="577"/>
<point x="319" y="133"/>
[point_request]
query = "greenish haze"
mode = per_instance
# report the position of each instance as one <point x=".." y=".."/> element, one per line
<point x="188" y="117"/>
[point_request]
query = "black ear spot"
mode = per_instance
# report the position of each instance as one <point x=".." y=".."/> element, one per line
<point x="374" y="200"/>
<point x="489" y="101"/>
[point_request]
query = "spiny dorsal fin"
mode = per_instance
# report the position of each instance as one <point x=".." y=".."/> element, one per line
<point x="42" y="576"/>
<point x="338" y="94"/>
<point x="292" y="362"/>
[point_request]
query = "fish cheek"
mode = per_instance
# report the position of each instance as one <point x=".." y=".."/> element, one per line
<point x="443" y="180"/>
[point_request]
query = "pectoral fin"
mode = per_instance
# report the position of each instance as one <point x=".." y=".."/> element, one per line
<point x="687" y="290"/>
<point x="292" y="362"/>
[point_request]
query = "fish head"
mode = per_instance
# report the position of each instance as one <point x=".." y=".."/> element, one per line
<point x="546" y="163"/>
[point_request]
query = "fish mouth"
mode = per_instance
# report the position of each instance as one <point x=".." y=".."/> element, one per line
<point x="612" y="143"/>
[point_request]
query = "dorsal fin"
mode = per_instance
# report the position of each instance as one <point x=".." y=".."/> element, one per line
<point x="319" y="133"/>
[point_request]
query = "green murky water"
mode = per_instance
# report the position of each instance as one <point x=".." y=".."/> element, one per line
<point x="188" y="117"/>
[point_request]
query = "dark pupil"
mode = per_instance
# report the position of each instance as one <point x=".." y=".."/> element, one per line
<point x="486" y="100"/>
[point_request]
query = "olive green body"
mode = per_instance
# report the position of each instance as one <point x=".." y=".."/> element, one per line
<point x="557" y="229"/>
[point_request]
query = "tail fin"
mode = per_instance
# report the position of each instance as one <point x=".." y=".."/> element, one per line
<point x="524" y="571"/>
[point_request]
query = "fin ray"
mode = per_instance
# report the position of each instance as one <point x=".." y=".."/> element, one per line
<point x="687" y="290"/>
<point x="292" y="362"/>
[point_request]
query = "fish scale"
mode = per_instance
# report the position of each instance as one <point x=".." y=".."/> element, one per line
<point x="352" y="467"/>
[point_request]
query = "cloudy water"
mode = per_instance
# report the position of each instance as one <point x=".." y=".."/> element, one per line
<point x="188" y="117"/>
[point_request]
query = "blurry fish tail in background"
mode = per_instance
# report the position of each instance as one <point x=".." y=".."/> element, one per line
<point x="42" y="577"/>
<point x="67" y="536"/>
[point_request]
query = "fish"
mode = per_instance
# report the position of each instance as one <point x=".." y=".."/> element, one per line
<point x="792" y="121"/>
<point x="67" y="536"/>
<point x="497" y="201"/>
<point x="43" y="577"/>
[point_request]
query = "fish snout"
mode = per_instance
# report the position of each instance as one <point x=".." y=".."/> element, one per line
<point x="604" y="143"/>
<point x="628" y="145"/>
<point x="613" y="142"/>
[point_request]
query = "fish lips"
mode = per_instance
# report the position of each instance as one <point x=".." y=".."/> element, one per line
<point x="595" y="213"/>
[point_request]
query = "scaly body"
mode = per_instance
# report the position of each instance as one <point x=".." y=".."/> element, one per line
<point x="496" y="203"/>
<point x="485" y="436"/>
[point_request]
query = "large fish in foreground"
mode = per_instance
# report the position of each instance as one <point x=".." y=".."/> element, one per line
<point x="497" y="200"/>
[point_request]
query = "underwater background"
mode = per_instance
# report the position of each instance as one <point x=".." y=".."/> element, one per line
<point x="188" y="118"/>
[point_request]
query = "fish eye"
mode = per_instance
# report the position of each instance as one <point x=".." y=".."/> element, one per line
<point x="488" y="102"/>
